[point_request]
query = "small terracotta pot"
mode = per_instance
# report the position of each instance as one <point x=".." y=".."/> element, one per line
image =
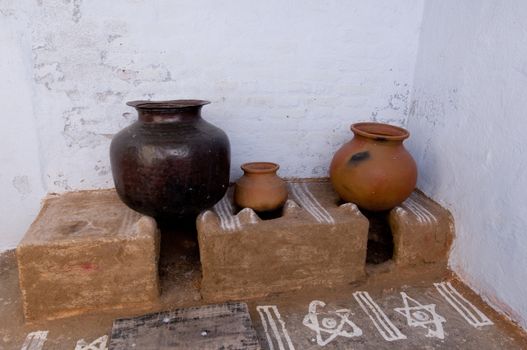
<point x="374" y="170"/>
<point x="260" y="188"/>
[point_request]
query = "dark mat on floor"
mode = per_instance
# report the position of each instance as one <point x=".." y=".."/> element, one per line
<point x="222" y="326"/>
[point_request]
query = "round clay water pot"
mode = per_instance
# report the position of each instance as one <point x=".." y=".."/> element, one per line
<point x="260" y="188"/>
<point x="170" y="163"/>
<point x="374" y="170"/>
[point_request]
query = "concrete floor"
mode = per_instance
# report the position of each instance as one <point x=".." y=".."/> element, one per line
<point x="284" y="321"/>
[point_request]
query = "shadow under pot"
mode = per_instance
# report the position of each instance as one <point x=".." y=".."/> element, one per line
<point x="260" y="188"/>
<point x="170" y="164"/>
<point x="374" y="170"/>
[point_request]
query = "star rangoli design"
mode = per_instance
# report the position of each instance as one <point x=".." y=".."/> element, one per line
<point x="336" y="323"/>
<point x="421" y="315"/>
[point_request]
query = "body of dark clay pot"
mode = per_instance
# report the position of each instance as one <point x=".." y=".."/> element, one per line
<point x="170" y="164"/>
<point x="374" y="170"/>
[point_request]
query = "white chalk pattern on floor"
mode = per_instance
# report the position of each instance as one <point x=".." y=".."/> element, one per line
<point x="332" y="323"/>
<point x="421" y="315"/>
<point x="228" y="221"/>
<point x="270" y="317"/>
<point x="35" y="340"/>
<point x="383" y="324"/>
<point x="308" y="201"/>
<point x="97" y="344"/>
<point x="469" y="312"/>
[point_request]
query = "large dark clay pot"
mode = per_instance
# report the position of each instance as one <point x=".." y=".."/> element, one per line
<point x="170" y="164"/>
<point x="374" y="170"/>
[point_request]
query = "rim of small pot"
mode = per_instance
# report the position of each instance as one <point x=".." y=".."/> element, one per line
<point x="168" y="104"/>
<point x="380" y="131"/>
<point x="260" y="167"/>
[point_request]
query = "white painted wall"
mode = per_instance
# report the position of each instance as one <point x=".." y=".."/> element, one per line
<point x="286" y="79"/>
<point x="21" y="184"/>
<point x="469" y="127"/>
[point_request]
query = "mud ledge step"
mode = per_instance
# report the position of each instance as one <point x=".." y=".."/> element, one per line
<point x="86" y="251"/>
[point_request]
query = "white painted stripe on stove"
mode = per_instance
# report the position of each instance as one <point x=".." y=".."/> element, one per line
<point x="415" y="200"/>
<point x="383" y="324"/>
<point x="407" y="207"/>
<point x="127" y="222"/>
<point x="465" y="308"/>
<point x="304" y="203"/>
<point x="221" y="213"/>
<point x="236" y="219"/>
<point x="425" y="211"/>
<point x="220" y="216"/>
<point x="316" y="203"/>
<point x="401" y="210"/>
<point x="226" y="220"/>
<point x="421" y="217"/>
<point x="35" y="340"/>
<point x="420" y="211"/>
<point x="232" y="222"/>
<point x="270" y="316"/>
<point x="313" y="202"/>
<point x="309" y="203"/>
<point x="229" y="222"/>
<point x="124" y="222"/>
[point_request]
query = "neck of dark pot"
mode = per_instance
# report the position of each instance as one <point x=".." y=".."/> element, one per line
<point x="169" y="115"/>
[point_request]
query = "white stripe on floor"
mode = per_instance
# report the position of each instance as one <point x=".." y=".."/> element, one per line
<point x="270" y="316"/>
<point x="466" y="309"/>
<point x="35" y="340"/>
<point x="383" y="324"/>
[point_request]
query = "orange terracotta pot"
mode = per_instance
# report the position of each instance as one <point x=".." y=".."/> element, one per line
<point x="260" y="188"/>
<point x="374" y="170"/>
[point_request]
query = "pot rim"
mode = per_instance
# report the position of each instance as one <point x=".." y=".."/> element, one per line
<point x="260" y="167"/>
<point x="167" y="104"/>
<point x="380" y="131"/>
